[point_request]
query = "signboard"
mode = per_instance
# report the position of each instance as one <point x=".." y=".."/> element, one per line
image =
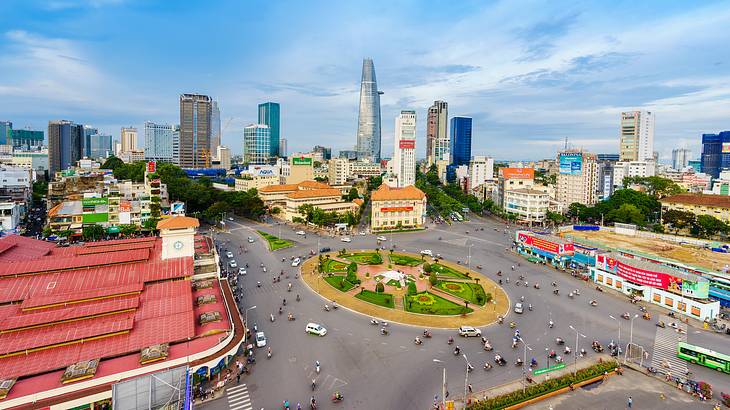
<point x="95" y="217"/>
<point x="725" y="147"/>
<point x="94" y="201"/>
<point x="649" y="278"/>
<point x="549" y="369"/>
<point x="177" y="208"/>
<point x="544" y="245"/>
<point x="699" y="290"/>
<point x="571" y="164"/>
<point x="517" y="173"/>
<point x="125" y="206"/>
<point x="151" y="167"/>
<point x="125" y="218"/>
<point x="397" y="209"/>
<point x="407" y="144"/>
<point x="301" y="161"/>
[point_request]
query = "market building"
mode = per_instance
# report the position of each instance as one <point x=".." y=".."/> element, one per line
<point x="289" y="197"/>
<point x="546" y="249"/>
<point x="397" y="208"/>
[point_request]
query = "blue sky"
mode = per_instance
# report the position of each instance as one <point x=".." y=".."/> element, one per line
<point x="530" y="73"/>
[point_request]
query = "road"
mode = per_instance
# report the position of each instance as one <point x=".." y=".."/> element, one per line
<point x="388" y="372"/>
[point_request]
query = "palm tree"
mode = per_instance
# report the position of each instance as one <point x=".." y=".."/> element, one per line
<point x="476" y="280"/>
<point x="466" y="303"/>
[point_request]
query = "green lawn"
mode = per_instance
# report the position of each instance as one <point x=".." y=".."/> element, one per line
<point x="405" y="260"/>
<point x="431" y="304"/>
<point x="338" y="282"/>
<point x="381" y="299"/>
<point x="442" y="270"/>
<point x="274" y="242"/>
<point x="393" y="282"/>
<point x="331" y="265"/>
<point x="472" y="292"/>
<point x="364" y="258"/>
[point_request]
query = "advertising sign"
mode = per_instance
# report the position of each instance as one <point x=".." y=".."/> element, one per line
<point x="407" y="144"/>
<point x="151" y="167"/>
<point x="548" y="369"/>
<point x="725" y="147"/>
<point x="94" y="201"/>
<point x="649" y="278"/>
<point x="696" y="289"/>
<point x="95" y="217"/>
<point x="540" y="243"/>
<point x="177" y="208"/>
<point x="518" y="173"/>
<point x="571" y="164"/>
<point x="397" y="209"/>
<point x="301" y="161"/>
<point x="125" y="206"/>
<point x="125" y="218"/>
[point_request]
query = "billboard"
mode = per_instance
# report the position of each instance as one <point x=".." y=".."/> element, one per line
<point x="696" y="289"/>
<point x="95" y="217"/>
<point x="94" y="201"/>
<point x="151" y="167"/>
<point x="177" y="208"/>
<point x="397" y="209"/>
<point x="125" y="218"/>
<point x="301" y="161"/>
<point x="544" y="244"/>
<point x="571" y="164"/>
<point x="125" y="206"/>
<point x="517" y="173"/>
<point x="407" y="144"/>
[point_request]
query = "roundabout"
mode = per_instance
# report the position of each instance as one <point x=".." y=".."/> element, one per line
<point x="406" y="288"/>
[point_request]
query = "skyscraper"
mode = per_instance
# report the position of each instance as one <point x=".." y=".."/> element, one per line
<point x="215" y="127"/>
<point x="88" y="132"/>
<point x="368" y="122"/>
<point x="680" y="158"/>
<point x="195" y="131"/>
<point x="637" y="136"/>
<point x="28" y="139"/>
<point x="460" y="141"/>
<point x="282" y="148"/>
<point x="715" y="153"/>
<point x="577" y="178"/>
<point x="65" y="144"/>
<point x="256" y="144"/>
<point x="437" y="133"/>
<point x="269" y="114"/>
<point x="404" y="148"/>
<point x="96" y="146"/>
<point x="6" y="132"/>
<point x="158" y="141"/>
<point x="129" y="139"/>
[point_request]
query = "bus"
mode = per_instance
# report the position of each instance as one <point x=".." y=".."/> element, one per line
<point x="704" y="357"/>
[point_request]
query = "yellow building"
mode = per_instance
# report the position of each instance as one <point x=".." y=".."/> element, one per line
<point x="301" y="169"/>
<point x="256" y="181"/>
<point x="699" y="204"/>
<point x="290" y="197"/>
<point x="397" y="208"/>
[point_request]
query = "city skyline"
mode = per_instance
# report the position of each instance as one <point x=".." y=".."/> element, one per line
<point x="556" y="71"/>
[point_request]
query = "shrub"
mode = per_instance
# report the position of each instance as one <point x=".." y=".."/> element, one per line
<point x="380" y="288"/>
<point x="427" y="267"/>
<point x="412" y="288"/>
<point x="432" y="279"/>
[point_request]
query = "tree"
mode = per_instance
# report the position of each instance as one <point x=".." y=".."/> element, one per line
<point x="708" y="226"/>
<point x="379" y="287"/>
<point x="432" y="279"/>
<point x="678" y="220"/>
<point x="627" y="213"/>
<point x="427" y="267"/>
<point x="374" y="183"/>
<point x="112" y="162"/>
<point x="275" y="210"/>
<point x="412" y="288"/>
<point x="554" y="217"/>
<point x="92" y="232"/>
<point x="432" y="176"/>
<point x="127" y="229"/>
<point x="353" y="194"/>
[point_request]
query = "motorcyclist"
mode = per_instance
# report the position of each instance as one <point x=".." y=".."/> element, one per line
<point x="298" y="298"/>
<point x="529" y="307"/>
<point x="533" y="362"/>
<point x="551" y="324"/>
<point x="567" y="350"/>
<point x="457" y="350"/>
<point x="451" y="340"/>
<point x="487" y="366"/>
<point x="418" y="340"/>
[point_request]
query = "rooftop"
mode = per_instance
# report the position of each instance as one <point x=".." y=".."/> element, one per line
<point x="720" y="201"/>
<point x="314" y="193"/>
<point x="304" y="185"/>
<point x="387" y="193"/>
<point x="178" y="222"/>
<point x="528" y="191"/>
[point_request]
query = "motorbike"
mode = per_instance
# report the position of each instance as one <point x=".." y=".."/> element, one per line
<point x="512" y="325"/>
<point x="552" y="354"/>
<point x="487" y="366"/>
<point x="479" y="267"/>
<point x="417" y="341"/>
<point x="457" y="350"/>
<point x="593" y="303"/>
<point x="529" y="307"/>
<point x="450" y="341"/>
<point x="518" y="362"/>
<point x="558" y="359"/>
<point x="499" y="360"/>
<point x="290" y="317"/>
<point x="577" y="292"/>
<point x="514" y="343"/>
<point x="536" y="286"/>
<point x="598" y="288"/>
<point x="597" y="347"/>
<point x="641" y="308"/>
<point x="626" y="316"/>
<point x="533" y="363"/>
<point x="570" y="295"/>
<point x="374" y="322"/>
<point x="298" y="298"/>
<point x="566" y="350"/>
<point x="556" y="292"/>
<point x="427" y="334"/>
<point x="258" y="284"/>
<point x="646" y="316"/>
<point x="551" y="324"/>
<point x="280" y="310"/>
<point x="272" y="317"/>
<point x="499" y="273"/>
<point x="488" y="347"/>
<point x="661" y="324"/>
<point x="337" y="397"/>
<point x="326" y="308"/>
<point x="384" y="331"/>
<point x="559" y="341"/>
<point x="500" y="320"/>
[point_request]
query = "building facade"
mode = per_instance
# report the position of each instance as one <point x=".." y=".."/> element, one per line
<point x="397" y="208"/>
<point x="529" y="205"/>
<point x="223" y="157"/>
<point x="270" y="114"/>
<point x="195" y="130"/>
<point x="338" y="171"/>
<point x="715" y="153"/>
<point x="324" y="151"/>
<point x="481" y="169"/>
<point x="437" y="133"/>
<point x="577" y="178"/>
<point x="368" y="122"/>
<point x="28" y="139"/>
<point x="637" y="136"/>
<point x="461" y="128"/>
<point x="158" y="144"/>
<point x="680" y="158"/>
<point x="98" y="146"/>
<point x="256" y="144"/>
<point x="65" y="144"/>
<point x="215" y="126"/>
<point x="6" y="132"/>
<point x="510" y="179"/>
<point x="128" y="137"/>
<point x="699" y="204"/>
<point x="404" y="148"/>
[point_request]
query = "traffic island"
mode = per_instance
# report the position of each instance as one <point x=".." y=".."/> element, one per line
<point x="406" y="288"/>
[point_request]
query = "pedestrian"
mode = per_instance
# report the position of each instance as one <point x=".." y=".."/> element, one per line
<point x="469" y="387"/>
<point x="629" y="402"/>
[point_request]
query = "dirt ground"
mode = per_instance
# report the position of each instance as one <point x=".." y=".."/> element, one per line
<point x="668" y="250"/>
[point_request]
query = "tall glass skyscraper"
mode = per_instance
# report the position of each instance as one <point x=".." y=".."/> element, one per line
<point x="158" y="141"/>
<point x="270" y="114"/>
<point x="368" y="123"/>
<point x="256" y="144"/>
<point x="460" y="141"/>
<point x="65" y="144"/>
<point x="715" y="153"/>
<point x="215" y="127"/>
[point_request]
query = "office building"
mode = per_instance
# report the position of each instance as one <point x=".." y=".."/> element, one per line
<point x="437" y="133"/>
<point x="158" y="142"/>
<point x="528" y="205"/>
<point x="715" y="153"/>
<point x="607" y="157"/>
<point x="680" y="158"/>
<point x="282" y="148"/>
<point x="223" y="157"/>
<point x="338" y="170"/>
<point x="324" y="151"/>
<point x="368" y="123"/>
<point x="27" y="139"/>
<point x="510" y="179"/>
<point x="6" y="132"/>
<point x="128" y="137"/>
<point x="270" y="114"/>
<point x="641" y="169"/>
<point x="256" y="144"/>
<point x="65" y="144"/>
<point x="577" y="178"/>
<point x="195" y="131"/>
<point x="348" y="154"/>
<point x="460" y="140"/>
<point x="637" y="136"/>
<point x="215" y="126"/>
<point x="404" y="148"/>
<point x="696" y="165"/>
<point x="481" y="169"/>
<point x="98" y="146"/>
<point x="606" y="184"/>
<point x="176" y="145"/>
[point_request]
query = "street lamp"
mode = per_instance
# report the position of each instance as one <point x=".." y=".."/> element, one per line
<point x="631" y="334"/>
<point x="524" y="360"/>
<point x="245" y="320"/>
<point x="575" y="353"/>
<point x="443" y="385"/>
<point x="468" y="259"/>
<point x="466" y="376"/>
<point x="619" y="329"/>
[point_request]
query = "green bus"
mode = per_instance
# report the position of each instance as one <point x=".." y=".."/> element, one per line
<point x="704" y="357"/>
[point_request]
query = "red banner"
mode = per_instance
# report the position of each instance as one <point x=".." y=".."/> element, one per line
<point x="397" y="209"/>
<point x="542" y="244"/>
<point x="646" y="277"/>
<point x="407" y="144"/>
<point x="151" y="167"/>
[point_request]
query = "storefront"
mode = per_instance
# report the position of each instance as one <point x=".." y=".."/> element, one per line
<point x="548" y="249"/>
<point x="661" y="285"/>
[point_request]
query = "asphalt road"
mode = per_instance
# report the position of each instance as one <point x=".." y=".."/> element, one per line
<point x="390" y="372"/>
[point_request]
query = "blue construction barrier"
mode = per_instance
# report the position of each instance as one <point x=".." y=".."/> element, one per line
<point x="586" y="228"/>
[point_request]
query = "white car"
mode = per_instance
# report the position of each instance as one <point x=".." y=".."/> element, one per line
<point x="363" y="233"/>
<point x="315" y="329"/>
<point x="229" y="255"/>
<point x="427" y="252"/>
<point x="230" y="219"/>
<point x="241" y="271"/>
<point x="260" y="339"/>
<point x="251" y="240"/>
<point x="301" y="233"/>
<point x="468" y="331"/>
<point x="519" y="308"/>
<point x="346" y="239"/>
<point x="296" y="262"/>
<point x="382" y="238"/>
<point x="233" y="264"/>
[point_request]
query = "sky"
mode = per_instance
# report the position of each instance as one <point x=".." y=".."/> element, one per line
<point x="530" y="73"/>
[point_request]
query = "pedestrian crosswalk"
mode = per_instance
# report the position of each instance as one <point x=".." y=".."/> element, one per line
<point x="665" y="357"/>
<point x="238" y="398"/>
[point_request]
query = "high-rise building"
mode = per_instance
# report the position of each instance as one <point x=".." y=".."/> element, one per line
<point x="404" y="148"/>
<point x="270" y="114"/>
<point x="6" y="132"/>
<point x="282" y="148"/>
<point x="326" y="152"/>
<point x="256" y="144"/>
<point x="65" y="144"/>
<point x="680" y="158"/>
<point x="368" y="122"/>
<point x="88" y="132"/>
<point x="637" y="136"/>
<point x="460" y="141"/>
<point x="27" y="139"/>
<point x="98" y="146"/>
<point x="577" y="178"/>
<point x="176" y="145"/>
<point x="437" y="133"/>
<point x="481" y="169"/>
<point x="158" y="141"/>
<point x="215" y="126"/>
<point x="223" y="155"/>
<point x="195" y="130"/>
<point x="128" y="137"/>
<point x="715" y="153"/>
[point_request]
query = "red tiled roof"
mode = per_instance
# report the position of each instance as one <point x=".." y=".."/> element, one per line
<point x="178" y="222"/>
<point x="71" y="297"/>
<point x="114" y="248"/>
<point x="719" y="201"/>
<point x="148" y="239"/>
<point x="82" y="261"/>
<point x="16" y="248"/>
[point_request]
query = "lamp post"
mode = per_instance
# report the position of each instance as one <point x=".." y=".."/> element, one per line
<point x="524" y="360"/>
<point x="575" y="353"/>
<point x="619" y="329"/>
<point x="466" y="377"/>
<point x="443" y="385"/>
<point x="245" y="320"/>
<point x="468" y="259"/>
<point x="631" y="333"/>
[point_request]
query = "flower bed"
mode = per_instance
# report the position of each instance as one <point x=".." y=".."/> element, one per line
<point x="431" y="304"/>
<point x="331" y="265"/>
<point x="339" y="282"/>
<point x="472" y="292"/>
<point x="442" y="270"/>
<point x="541" y="389"/>
<point x="364" y="258"/>
<point x="404" y="260"/>
<point x="380" y="299"/>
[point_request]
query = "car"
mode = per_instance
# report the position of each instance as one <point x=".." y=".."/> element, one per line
<point x="518" y="307"/>
<point x="296" y="262"/>
<point x="233" y="264"/>
<point x="230" y="219"/>
<point x="251" y="240"/>
<point x="241" y="271"/>
<point x="427" y="252"/>
<point x="301" y="233"/>
<point x="363" y="233"/>
<point x="325" y="249"/>
<point x="315" y="329"/>
<point x="260" y="339"/>
<point x="469" y="331"/>
<point x="229" y="255"/>
<point x="346" y="239"/>
<point x="382" y="238"/>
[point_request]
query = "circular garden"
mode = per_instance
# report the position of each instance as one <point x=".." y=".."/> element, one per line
<point x="406" y="288"/>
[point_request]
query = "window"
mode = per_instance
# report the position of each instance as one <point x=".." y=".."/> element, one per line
<point x="618" y="284"/>
<point x="668" y="301"/>
<point x="600" y="278"/>
<point x="695" y="311"/>
<point x="609" y="281"/>
<point x="688" y="352"/>
<point x="682" y="306"/>
<point x="657" y="298"/>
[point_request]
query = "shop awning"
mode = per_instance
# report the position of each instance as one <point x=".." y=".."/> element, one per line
<point x="113" y="229"/>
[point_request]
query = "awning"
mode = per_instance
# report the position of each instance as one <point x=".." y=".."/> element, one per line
<point x="75" y="226"/>
<point x="113" y="229"/>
